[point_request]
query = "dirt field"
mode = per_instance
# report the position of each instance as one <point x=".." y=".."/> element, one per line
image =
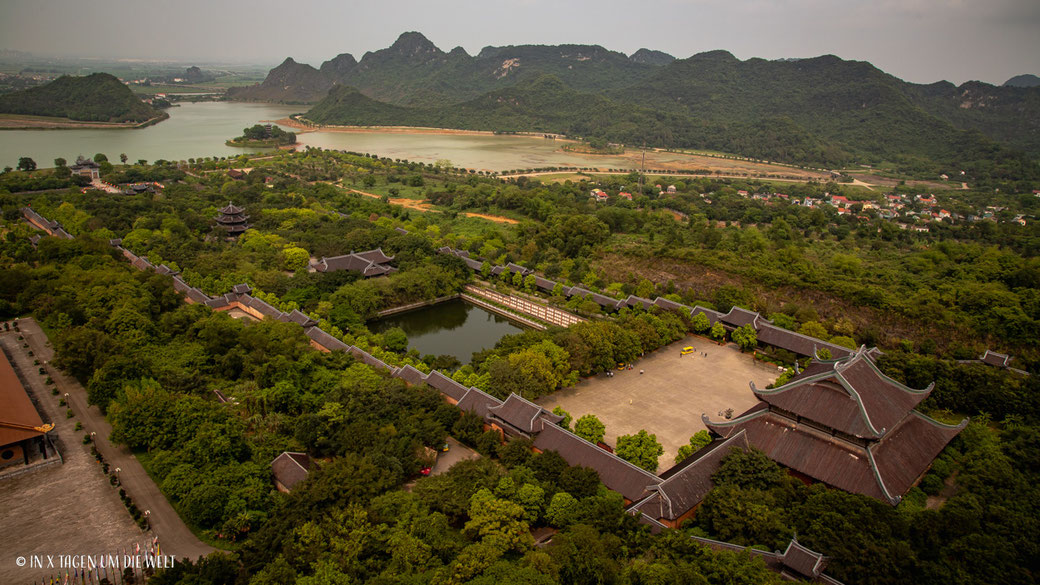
<point x="670" y="396"/>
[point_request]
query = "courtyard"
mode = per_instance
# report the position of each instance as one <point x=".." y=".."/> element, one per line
<point x="668" y="398"/>
<point x="57" y="509"/>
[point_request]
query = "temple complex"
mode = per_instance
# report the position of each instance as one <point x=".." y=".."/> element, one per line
<point x="233" y="219"/>
<point x="844" y="423"/>
<point x="23" y="435"/>
<point x="370" y="263"/>
<point x="86" y="168"/>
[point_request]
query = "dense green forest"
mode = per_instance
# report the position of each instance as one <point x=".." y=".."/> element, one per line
<point x="98" y="97"/>
<point x="822" y="111"/>
<point x="152" y="363"/>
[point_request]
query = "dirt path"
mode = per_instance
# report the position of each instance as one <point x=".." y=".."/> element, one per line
<point x="68" y="505"/>
<point x="407" y="203"/>
<point x="495" y="218"/>
<point x="669" y="174"/>
<point x="174" y="535"/>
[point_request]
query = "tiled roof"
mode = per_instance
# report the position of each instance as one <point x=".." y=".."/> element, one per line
<point x="995" y="359"/>
<point x="16" y="408"/>
<point x="478" y="402"/>
<point x="713" y="316"/>
<point x="197" y="295"/>
<point x="798" y="343"/>
<point x="670" y="305"/>
<point x="376" y="256"/>
<point x="263" y="307"/>
<point x="512" y="267"/>
<point x="738" y="317"/>
<point x="411" y="375"/>
<point x="617" y="474"/>
<point x="544" y="283"/>
<point x="326" y="340"/>
<point x="446" y="385"/>
<point x="850" y="395"/>
<point x="885" y="470"/>
<point x="522" y="414"/>
<point x="290" y="468"/>
<point x="684" y="488"/>
<point x="803" y="561"/>
<point x="231" y="209"/>
<point x="298" y="317"/>
<point x="634" y="301"/>
<point x="370" y="263"/>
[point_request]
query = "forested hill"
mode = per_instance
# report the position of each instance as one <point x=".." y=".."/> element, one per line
<point x="98" y="97"/>
<point x="847" y="102"/>
<point x="547" y="105"/>
<point x="414" y="72"/>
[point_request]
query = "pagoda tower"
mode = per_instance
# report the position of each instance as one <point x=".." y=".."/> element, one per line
<point x="233" y="219"/>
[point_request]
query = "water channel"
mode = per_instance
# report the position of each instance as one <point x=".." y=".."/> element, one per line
<point x="453" y="327"/>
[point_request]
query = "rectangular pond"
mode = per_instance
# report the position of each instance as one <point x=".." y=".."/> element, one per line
<point x="453" y="327"/>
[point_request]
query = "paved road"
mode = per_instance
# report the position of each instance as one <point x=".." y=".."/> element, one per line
<point x="174" y="536"/>
<point x="56" y="508"/>
<point x="457" y="452"/>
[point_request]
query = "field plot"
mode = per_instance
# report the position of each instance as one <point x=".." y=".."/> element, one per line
<point x="668" y="398"/>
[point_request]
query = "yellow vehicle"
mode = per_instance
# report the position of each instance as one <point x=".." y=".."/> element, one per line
<point x="686" y="350"/>
<point x="621" y="366"/>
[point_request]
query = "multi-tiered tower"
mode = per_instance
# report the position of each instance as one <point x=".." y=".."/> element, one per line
<point x="233" y="219"/>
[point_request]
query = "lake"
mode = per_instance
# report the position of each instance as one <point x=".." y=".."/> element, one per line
<point x="472" y="151"/>
<point x="200" y="129"/>
<point x="192" y="131"/>
<point x="453" y="327"/>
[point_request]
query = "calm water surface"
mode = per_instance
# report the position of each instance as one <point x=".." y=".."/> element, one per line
<point x="198" y="130"/>
<point x="453" y="327"/>
<point x="472" y="151"/>
<point x="192" y="131"/>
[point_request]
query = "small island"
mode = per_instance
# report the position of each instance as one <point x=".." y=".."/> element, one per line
<point x="263" y="135"/>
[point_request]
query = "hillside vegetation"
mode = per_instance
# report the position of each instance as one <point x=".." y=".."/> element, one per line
<point x="98" y="97"/>
<point x="823" y="111"/>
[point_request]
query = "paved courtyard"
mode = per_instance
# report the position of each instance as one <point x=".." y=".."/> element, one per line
<point x="58" y="509"/>
<point x="670" y="396"/>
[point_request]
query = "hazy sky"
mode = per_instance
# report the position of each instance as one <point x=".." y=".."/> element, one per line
<point x="918" y="40"/>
